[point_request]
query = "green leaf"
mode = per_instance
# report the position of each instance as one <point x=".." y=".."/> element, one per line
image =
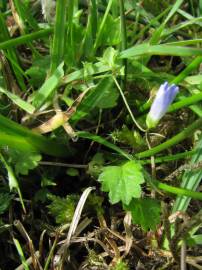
<point x="38" y="71"/>
<point x="194" y="240"/>
<point x="122" y="182"/>
<point x="5" y="199"/>
<point x="101" y="140"/>
<point x="12" y="180"/>
<point x="24" y="161"/>
<point x="94" y="69"/>
<point x="72" y="172"/>
<point x="47" y="89"/>
<point x="111" y="32"/>
<point x="59" y="37"/>
<point x="62" y="209"/>
<point x="96" y="164"/>
<point x="21" y="254"/>
<point x="109" y="99"/>
<point x="92" y="100"/>
<point x="18" y="101"/>
<point x="145" y="212"/>
<point x="45" y="182"/>
<point x="146" y="49"/>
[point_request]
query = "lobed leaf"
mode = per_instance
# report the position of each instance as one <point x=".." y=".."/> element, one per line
<point x="122" y="182"/>
<point x="145" y="212"/>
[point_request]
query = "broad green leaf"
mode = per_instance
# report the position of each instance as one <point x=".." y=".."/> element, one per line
<point x="92" y="100"/>
<point x="195" y="79"/>
<point x="109" y="99"/>
<point x="24" y="161"/>
<point x="47" y="89"/>
<point x="122" y="182"/>
<point x="13" y="183"/>
<point x="80" y="74"/>
<point x="18" y="101"/>
<point x="145" y="212"/>
<point x="109" y="58"/>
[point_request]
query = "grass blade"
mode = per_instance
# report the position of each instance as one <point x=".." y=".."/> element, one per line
<point x="190" y="180"/>
<point x="146" y="49"/>
<point x="101" y="27"/>
<point x="18" y="101"/>
<point x="59" y="37"/>
<point x="4" y="35"/>
<point x="38" y="142"/>
<point x="21" y="254"/>
<point x="47" y="89"/>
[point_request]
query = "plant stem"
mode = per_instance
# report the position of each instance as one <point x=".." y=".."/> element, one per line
<point x="127" y="106"/>
<point x="185" y="102"/>
<point x="123" y="39"/>
<point x="174" y="140"/>
<point x="170" y="157"/>
<point x="192" y="66"/>
<point x="178" y="191"/>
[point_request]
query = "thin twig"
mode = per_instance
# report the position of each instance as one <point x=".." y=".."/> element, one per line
<point x="127" y="106"/>
<point x="60" y="164"/>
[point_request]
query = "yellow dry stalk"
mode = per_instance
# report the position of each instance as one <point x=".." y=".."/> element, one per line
<point x="61" y="119"/>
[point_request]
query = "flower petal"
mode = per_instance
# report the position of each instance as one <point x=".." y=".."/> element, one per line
<point x="164" y="97"/>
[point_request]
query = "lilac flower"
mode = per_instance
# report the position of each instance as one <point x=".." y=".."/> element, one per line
<point x="164" y="97"/>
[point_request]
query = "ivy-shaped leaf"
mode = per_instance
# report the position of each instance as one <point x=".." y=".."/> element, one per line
<point x="145" y="212"/>
<point x="122" y="182"/>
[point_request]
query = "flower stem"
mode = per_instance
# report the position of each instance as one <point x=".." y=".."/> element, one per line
<point x="185" y="102"/>
<point x="174" y="140"/>
<point x="170" y="157"/>
<point x="127" y="106"/>
<point x="178" y="191"/>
